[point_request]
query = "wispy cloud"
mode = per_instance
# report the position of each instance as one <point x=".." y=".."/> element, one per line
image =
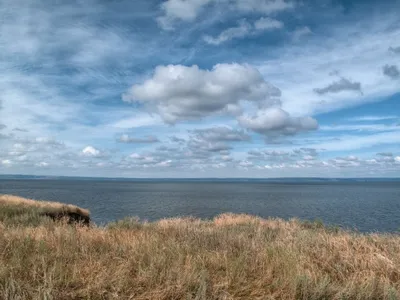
<point x="373" y="118"/>
<point x="243" y="29"/>
<point x="188" y="10"/>
<point x="137" y="140"/>
<point x="361" y="127"/>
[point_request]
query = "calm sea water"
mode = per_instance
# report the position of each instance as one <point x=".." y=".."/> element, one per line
<point x="366" y="206"/>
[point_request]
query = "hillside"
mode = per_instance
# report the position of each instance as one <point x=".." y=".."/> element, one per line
<point x="229" y="257"/>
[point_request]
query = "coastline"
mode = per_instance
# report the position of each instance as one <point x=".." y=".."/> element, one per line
<point x="229" y="257"/>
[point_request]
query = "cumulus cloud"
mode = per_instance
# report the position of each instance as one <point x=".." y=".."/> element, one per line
<point x="299" y="159"/>
<point x="273" y="156"/>
<point x="391" y="71"/>
<point x="339" y="86"/>
<point x="137" y="140"/>
<point x="200" y="146"/>
<point x="2" y="126"/>
<point x="243" y="29"/>
<point x="179" y="92"/>
<point x="206" y="144"/>
<point x="149" y="160"/>
<point x="104" y="55"/>
<point x="276" y="121"/>
<point x="202" y="149"/>
<point x="90" y="151"/>
<point x="345" y="162"/>
<point x="306" y="151"/>
<point x="34" y="147"/>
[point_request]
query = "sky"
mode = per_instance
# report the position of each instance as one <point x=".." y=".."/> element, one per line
<point x="200" y="88"/>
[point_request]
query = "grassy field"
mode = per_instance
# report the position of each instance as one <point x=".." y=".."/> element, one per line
<point x="229" y="257"/>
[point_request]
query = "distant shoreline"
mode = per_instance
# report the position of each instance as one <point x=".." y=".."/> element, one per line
<point x="205" y="179"/>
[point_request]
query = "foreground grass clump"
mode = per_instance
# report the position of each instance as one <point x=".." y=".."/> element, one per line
<point x="20" y="211"/>
<point x="229" y="257"/>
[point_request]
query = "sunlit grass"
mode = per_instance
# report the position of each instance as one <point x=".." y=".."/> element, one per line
<point x="229" y="257"/>
<point x="26" y="212"/>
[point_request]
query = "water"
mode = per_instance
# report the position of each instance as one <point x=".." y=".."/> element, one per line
<point x="366" y="206"/>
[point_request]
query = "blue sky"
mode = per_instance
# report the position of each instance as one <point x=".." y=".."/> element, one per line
<point x="200" y="88"/>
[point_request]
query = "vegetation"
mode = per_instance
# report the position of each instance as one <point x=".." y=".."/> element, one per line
<point x="21" y="211"/>
<point x="229" y="257"/>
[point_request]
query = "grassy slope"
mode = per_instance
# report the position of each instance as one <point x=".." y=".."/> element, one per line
<point x="17" y="210"/>
<point x="230" y="257"/>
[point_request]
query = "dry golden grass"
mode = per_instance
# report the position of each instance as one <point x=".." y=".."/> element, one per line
<point x="230" y="257"/>
<point x="53" y="206"/>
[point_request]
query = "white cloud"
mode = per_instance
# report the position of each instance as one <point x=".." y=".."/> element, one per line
<point x="361" y="127"/>
<point x="263" y="6"/>
<point x="6" y="162"/>
<point x="372" y="118"/>
<point x="135" y="155"/>
<point x="166" y="163"/>
<point x="355" y="142"/>
<point x="184" y="10"/>
<point x="353" y="50"/>
<point x="188" y="10"/>
<point x="91" y="151"/>
<point x="42" y="164"/>
<point x="221" y="133"/>
<point x="138" y="140"/>
<point x="50" y="88"/>
<point x="243" y="29"/>
<point x="275" y="121"/>
<point x="179" y="93"/>
<point x="268" y="24"/>
<point x="301" y="32"/>
<point x="49" y="141"/>
<point x="140" y="120"/>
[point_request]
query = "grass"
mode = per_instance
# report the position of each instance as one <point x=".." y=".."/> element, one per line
<point x="21" y="211"/>
<point x="229" y="257"/>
